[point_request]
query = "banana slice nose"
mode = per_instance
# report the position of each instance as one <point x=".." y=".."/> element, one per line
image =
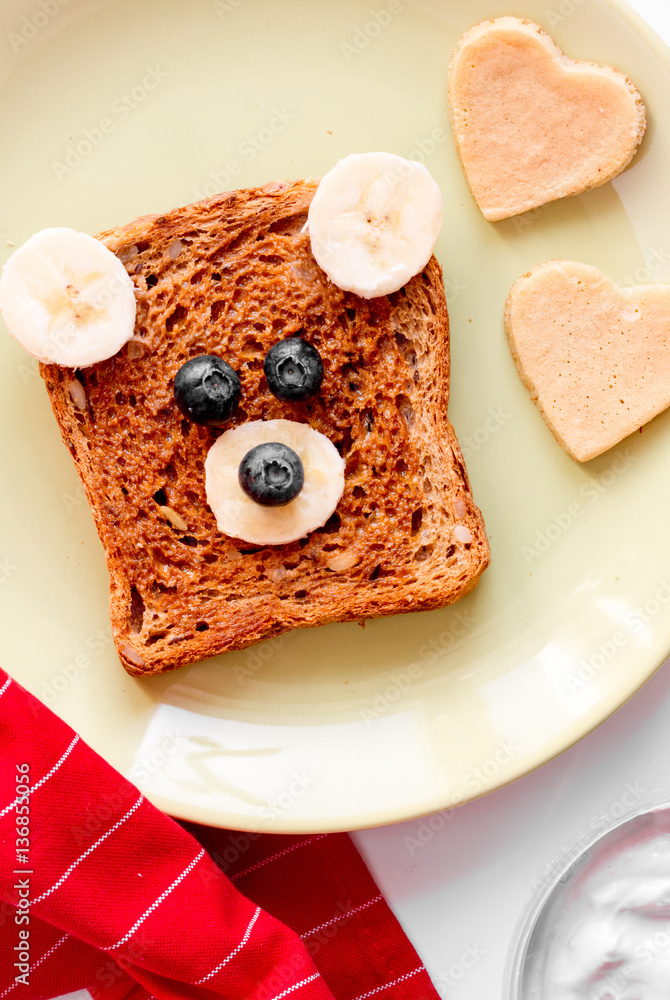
<point x="238" y="516"/>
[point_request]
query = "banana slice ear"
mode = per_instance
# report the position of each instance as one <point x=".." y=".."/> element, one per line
<point x="374" y="221"/>
<point x="238" y="516"/>
<point x="67" y="298"/>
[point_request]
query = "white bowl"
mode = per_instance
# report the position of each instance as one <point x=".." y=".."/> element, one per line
<point x="561" y="884"/>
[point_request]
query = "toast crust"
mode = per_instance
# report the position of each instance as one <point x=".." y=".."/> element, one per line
<point x="532" y="125"/>
<point x="230" y="276"/>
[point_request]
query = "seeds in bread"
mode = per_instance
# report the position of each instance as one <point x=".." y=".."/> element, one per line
<point x="231" y="276"/>
<point x="532" y="125"/>
<point x="595" y="356"/>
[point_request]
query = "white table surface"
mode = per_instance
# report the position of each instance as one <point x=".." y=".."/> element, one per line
<point x="458" y="882"/>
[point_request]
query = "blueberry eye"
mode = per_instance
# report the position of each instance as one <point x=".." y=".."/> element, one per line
<point x="294" y="369"/>
<point x="207" y="390"/>
<point x="271" y="474"/>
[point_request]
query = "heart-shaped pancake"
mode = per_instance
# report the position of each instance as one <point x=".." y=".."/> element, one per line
<point x="595" y="356"/>
<point x="532" y="125"/>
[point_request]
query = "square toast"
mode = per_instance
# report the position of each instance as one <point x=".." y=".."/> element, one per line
<point x="230" y="276"/>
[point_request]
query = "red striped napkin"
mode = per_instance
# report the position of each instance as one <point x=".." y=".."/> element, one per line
<point x="100" y="890"/>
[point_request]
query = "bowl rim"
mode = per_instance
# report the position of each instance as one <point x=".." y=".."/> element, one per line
<point x="558" y="870"/>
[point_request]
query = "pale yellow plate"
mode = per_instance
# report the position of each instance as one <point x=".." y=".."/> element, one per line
<point x="110" y="110"/>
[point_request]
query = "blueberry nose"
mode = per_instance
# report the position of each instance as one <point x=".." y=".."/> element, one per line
<point x="272" y="474"/>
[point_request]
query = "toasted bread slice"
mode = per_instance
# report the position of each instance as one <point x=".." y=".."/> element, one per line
<point x="231" y="276"/>
<point x="532" y="125"/>
<point x="595" y="356"/>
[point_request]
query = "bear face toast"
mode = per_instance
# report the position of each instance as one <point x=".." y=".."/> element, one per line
<point x="230" y="277"/>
